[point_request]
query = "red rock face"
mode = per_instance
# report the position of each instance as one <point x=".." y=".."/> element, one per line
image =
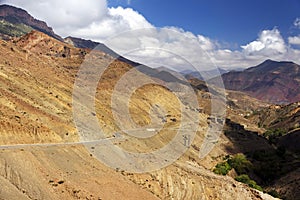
<point x="17" y="15"/>
<point x="274" y="82"/>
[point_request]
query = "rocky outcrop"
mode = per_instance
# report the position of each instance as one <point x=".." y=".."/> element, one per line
<point x="19" y="16"/>
<point x="81" y="43"/>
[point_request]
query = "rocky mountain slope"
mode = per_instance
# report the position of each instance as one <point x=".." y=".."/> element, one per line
<point x="36" y="98"/>
<point x="81" y="43"/>
<point x="271" y="81"/>
<point x="17" y="22"/>
<point x="281" y="128"/>
<point x="37" y="74"/>
<point x="285" y="117"/>
<point x="282" y="123"/>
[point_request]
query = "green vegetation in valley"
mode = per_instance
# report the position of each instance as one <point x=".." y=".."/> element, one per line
<point x="14" y="30"/>
<point x="274" y="134"/>
<point x="222" y="168"/>
<point x="244" y="178"/>
<point x="238" y="162"/>
<point x="241" y="165"/>
<point x="265" y="164"/>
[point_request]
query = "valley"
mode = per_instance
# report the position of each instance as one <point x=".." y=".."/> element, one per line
<point x="38" y="72"/>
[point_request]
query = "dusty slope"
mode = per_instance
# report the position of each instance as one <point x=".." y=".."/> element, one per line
<point x="36" y="102"/>
<point x="37" y="75"/>
<point x="62" y="173"/>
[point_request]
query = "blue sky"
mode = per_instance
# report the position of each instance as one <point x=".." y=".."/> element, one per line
<point x="234" y="33"/>
<point x="229" y="21"/>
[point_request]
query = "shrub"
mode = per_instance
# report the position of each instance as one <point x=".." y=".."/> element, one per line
<point x="240" y="163"/>
<point x="244" y="178"/>
<point x="222" y="168"/>
<point x="273" y="134"/>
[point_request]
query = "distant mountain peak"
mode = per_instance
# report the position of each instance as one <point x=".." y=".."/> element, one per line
<point x="269" y="61"/>
<point x="271" y="81"/>
<point x="271" y="65"/>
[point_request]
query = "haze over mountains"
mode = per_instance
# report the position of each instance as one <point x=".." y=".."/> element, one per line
<point x="37" y="74"/>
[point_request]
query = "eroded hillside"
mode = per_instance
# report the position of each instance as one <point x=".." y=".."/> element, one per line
<point x="37" y="74"/>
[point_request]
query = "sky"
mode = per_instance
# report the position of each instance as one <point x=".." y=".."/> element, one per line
<point x="232" y="33"/>
<point x="232" y="21"/>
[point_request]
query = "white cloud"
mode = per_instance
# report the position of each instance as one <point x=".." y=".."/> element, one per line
<point x="115" y="21"/>
<point x="91" y="19"/>
<point x="297" y="22"/>
<point x="67" y="13"/>
<point x="171" y="47"/>
<point x="270" y="42"/>
<point x="206" y="43"/>
<point x="294" y="40"/>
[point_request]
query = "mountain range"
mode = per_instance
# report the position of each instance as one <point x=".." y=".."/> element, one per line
<point x="208" y="74"/>
<point x="38" y="69"/>
<point x="270" y="81"/>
